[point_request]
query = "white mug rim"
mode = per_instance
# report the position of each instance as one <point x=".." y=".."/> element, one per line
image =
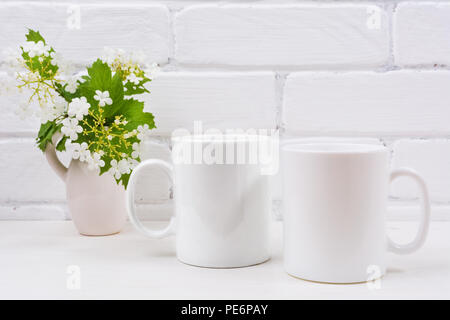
<point x="334" y="148"/>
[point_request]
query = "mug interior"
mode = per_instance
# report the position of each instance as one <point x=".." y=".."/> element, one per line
<point x="219" y="138"/>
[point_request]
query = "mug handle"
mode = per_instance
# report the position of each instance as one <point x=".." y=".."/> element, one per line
<point x="168" y="170"/>
<point x="424" y="222"/>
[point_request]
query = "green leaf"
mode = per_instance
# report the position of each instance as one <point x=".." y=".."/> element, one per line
<point x="101" y="75"/>
<point x="133" y="89"/>
<point x="34" y="36"/>
<point x="41" y="64"/>
<point x="100" y="78"/>
<point x="61" y="146"/>
<point x="125" y="178"/>
<point x="45" y="134"/>
<point x="133" y="111"/>
<point x="107" y="165"/>
<point x="45" y="127"/>
<point x="60" y="89"/>
<point x="116" y="90"/>
<point x="116" y="94"/>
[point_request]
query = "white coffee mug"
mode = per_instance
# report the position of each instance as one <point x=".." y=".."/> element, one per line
<point x="334" y="211"/>
<point x="222" y="203"/>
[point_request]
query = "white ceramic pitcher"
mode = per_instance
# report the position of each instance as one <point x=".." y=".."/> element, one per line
<point x="96" y="203"/>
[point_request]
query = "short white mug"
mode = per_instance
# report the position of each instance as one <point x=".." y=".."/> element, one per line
<point x="222" y="203"/>
<point x="334" y="211"/>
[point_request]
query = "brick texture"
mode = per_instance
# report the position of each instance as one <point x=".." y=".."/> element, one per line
<point x="300" y="35"/>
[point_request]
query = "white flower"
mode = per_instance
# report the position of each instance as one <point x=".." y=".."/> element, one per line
<point x="138" y="58"/>
<point x="120" y="168"/>
<point x="136" y="150"/>
<point x="36" y="49"/>
<point x="74" y="148"/>
<point x="110" y="54"/>
<point x="132" y="163"/>
<point x="124" y="166"/>
<point x="128" y="60"/>
<point x="47" y="113"/>
<point x="60" y="107"/>
<point x="81" y="151"/>
<point x="143" y="131"/>
<point x="12" y="57"/>
<point x="78" y="108"/>
<point x="114" y="170"/>
<point x="71" y="128"/>
<point x="102" y="98"/>
<point x="133" y="79"/>
<point x="96" y="162"/>
<point x="26" y="47"/>
<point x="32" y="76"/>
<point x="64" y="66"/>
<point x="55" y="58"/>
<point x="80" y="76"/>
<point x="8" y="87"/>
<point x="72" y="85"/>
<point x="50" y="111"/>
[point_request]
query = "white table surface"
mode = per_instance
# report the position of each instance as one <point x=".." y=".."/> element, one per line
<point x="34" y="256"/>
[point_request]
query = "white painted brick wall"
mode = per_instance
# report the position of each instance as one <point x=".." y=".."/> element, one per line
<point x="10" y="123"/>
<point x="421" y="34"/>
<point x="368" y="103"/>
<point x="297" y="35"/>
<point x="429" y="157"/>
<point x="131" y="27"/>
<point x="219" y="100"/>
<point x="375" y="72"/>
<point x="28" y="179"/>
<point x="26" y="175"/>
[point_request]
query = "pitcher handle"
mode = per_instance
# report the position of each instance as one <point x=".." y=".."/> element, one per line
<point x="52" y="159"/>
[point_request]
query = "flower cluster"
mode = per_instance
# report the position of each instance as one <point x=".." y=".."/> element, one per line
<point x="36" y="68"/>
<point x="133" y="68"/>
<point x="101" y="122"/>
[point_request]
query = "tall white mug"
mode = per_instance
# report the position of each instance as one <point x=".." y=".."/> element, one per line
<point x="222" y="201"/>
<point x="334" y="211"/>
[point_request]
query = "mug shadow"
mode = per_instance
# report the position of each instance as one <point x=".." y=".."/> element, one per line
<point x="266" y="261"/>
<point x="335" y="283"/>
